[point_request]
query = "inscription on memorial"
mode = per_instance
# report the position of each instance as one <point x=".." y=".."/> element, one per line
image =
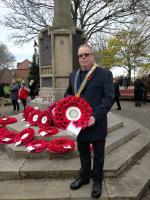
<point x="46" y="52"/>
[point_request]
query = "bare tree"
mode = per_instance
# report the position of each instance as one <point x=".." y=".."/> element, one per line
<point x="6" y="58"/>
<point x="28" y="17"/>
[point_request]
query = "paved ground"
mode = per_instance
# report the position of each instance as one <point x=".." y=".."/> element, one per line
<point x="139" y="114"/>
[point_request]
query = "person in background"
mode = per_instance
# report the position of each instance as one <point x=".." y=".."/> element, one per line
<point x="99" y="93"/>
<point x="32" y="87"/>
<point x="23" y="93"/>
<point x="117" y="93"/>
<point x="1" y="94"/>
<point x="14" y="88"/>
<point x="145" y="88"/>
<point x="126" y="81"/>
<point x="138" y="92"/>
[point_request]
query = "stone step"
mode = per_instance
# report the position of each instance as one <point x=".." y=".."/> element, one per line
<point x="130" y="186"/>
<point x="115" y="162"/>
<point x="115" y="139"/>
<point x="114" y="123"/>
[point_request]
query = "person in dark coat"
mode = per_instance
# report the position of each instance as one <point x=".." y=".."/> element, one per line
<point x="117" y="93"/>
<point x="1" y="94"/>
<point x="14" y="88"/>
<point x="99" y="93"/>
<point x="138" y="92"/>
<point x="33" y="89"/>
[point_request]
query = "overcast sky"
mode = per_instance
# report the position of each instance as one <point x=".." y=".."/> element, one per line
<point x="26" y="52"/>
<point x="20" y="52"/>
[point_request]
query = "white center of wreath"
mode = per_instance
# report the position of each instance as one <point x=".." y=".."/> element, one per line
<point x="4" y="118"/>
<point x="44" y="120"/>
<point x="37" y="145"/>
<point x="35" y="117"/>
<point x="73" y="113"/>
<point x="24" y="136"/>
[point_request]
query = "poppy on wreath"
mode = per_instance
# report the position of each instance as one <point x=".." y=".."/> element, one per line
<point x="37" y="146"/>
<point x="7" y="137"/>
<point x="27" y="111"/>
<point x="24" y="137"/>
<point x="48" y="131"/>
<point x="34" y="117"/>
<point x="72" y="109"/>
<point x="7" y="120"/>
<point x="61" y="145"/>
<point x="45" y="119"/>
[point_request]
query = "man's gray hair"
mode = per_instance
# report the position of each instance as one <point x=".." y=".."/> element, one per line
<point x="86" y="45"/>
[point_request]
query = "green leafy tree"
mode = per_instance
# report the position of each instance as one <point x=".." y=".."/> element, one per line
<point x="34" y="70"/>
<point x="128" y="48"/>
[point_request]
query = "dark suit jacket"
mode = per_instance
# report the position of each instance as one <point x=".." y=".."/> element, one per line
<point x="99" y="92"/>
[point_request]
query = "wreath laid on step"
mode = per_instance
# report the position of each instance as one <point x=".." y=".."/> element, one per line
<point x="48" y="131"/>
<point x="34" y="117"/>
<point x="37" y="146"/>
<point x="7" y="120"/>
<point x="61" y="145"/>
<point x="45" y="119"/>
<point x="24" y="137"/>
<point x="27" y="111"/>
<point x="7" y="137"/>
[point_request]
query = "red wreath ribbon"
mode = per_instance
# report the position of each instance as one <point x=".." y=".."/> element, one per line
<point x="48" y="131"/>
<point x="37" y="146"/>
<point x="7" y="120"/>
<point x="60" y="119"/>
<point x="33" y="117"/>
<point x="27" y="111"/>
<point x="25" y="136"/>
<point x="7" y="137"/>
<point x="61" y="145"/>
<point x="45" y="119"/>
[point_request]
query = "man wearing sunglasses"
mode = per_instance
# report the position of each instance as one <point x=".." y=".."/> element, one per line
<point x="95" y="85"/>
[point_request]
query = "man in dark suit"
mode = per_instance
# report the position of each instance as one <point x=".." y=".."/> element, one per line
<point x="98" y="91"/>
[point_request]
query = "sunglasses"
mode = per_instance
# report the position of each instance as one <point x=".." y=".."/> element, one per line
<point x="84" y="55"/>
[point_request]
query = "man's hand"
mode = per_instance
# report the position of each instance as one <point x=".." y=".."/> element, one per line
<point x="91" y="121"/>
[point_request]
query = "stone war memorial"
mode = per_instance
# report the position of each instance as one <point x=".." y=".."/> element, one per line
<point x="41" y="175"/>
<point x="58" y="47"/>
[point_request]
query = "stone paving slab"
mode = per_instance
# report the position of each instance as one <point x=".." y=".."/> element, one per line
<point x="131" y="184"/>
<point x="44" y="189"/>
<point x="10" y="168"/>
<point x="125" y="155"/>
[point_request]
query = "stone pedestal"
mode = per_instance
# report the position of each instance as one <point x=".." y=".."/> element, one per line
<point x="58" y="58"/>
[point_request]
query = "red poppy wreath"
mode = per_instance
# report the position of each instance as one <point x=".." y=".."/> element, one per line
<point x="61" y="145"/>
<point x="25" y="136"/>
<point x="37" y="146"/>
<point x="7" y="120"/>
<point x="45" y="119"/>
<point x="72" y="109"/>
<point x="7" y="137"/>
<point x="27" y="111"/>
<point x="34" y="117"/>
<point x="48" y="131"/>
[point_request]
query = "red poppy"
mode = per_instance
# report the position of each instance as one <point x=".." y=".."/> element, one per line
<point x="37" y="146"/>
<point x="48" y="131"/>
<point x="7" y="137"/>
<point x="33" y="117"/>
<point x="64" y="106"/>
<point x="27" y="111"/>
<point x="24" y="136"/>
<point x="45" y="119"/>
<point x="61" y="145"/>
<point x="7" y="120"/>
